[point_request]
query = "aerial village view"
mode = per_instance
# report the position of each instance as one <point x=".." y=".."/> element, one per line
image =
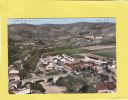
<point x="58" y="56"/>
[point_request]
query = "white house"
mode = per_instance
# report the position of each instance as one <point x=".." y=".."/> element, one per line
<point x="63" y="60"/>
<point x="15" y="77"/>
<point x="112" y="66"/>
<point x="98" y="61"/>
<point x="23" y="91"/>
<point x="13" y="71"/>
<point x="49" y="66"/>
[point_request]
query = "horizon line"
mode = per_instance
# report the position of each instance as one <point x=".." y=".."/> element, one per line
<point x="60" y="21"/>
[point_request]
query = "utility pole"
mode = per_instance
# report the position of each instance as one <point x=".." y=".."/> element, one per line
<point x="77" y="52"/>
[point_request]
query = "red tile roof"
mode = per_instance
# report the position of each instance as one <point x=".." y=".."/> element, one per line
<point x="93" y="57"/>
<point x="111" y="85"/>
<point x="106" y="85"/>
<point x="101" y="86"/>
<point x="70" y="65"/>
<point x="17" y="82"/>
<point x="11" y="91"/>
<point x="10" y="74"/>
<point x="48" y="56"/>
<point x="76" y="60"/>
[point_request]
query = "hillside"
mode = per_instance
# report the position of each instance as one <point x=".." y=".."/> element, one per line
<point x="81" y="33"/>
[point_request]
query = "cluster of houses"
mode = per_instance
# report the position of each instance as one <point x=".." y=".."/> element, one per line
<point x="60" y="62"/>
<point x="95" y="62"/>
<point x="15" y="83"/>
<point x="56" y="62"/>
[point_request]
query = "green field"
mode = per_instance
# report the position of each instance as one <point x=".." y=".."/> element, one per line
<point x="105" y="50"/>
<point x="66" y="51"/>
<point x="77" y="56"/>
<point x="108" y="52"/>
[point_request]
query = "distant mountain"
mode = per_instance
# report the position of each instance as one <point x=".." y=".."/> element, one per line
<point x="81" y="33"/>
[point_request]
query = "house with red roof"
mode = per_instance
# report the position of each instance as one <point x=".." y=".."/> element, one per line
<point x="106" y="87"/>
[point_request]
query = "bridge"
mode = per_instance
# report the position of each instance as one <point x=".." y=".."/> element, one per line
<point x="46" y="79"/>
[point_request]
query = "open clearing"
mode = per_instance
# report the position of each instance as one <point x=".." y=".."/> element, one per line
<point x="104" y="52"/>
<point x="50" y="89"/>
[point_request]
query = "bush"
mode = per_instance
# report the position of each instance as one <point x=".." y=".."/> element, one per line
<point x="104" y="77"/>
<point x="108" y="42"/>
<point x="60" y="82"/>
<point x="24" y="73"/>
<point x="37" y="86"/>
<point x="84" y="89"/>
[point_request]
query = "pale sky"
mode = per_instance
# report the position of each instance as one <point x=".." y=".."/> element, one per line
<point x="59" y="20"/>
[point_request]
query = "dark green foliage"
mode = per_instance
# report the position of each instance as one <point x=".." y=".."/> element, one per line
<point x="84" y="89"/>
<point x="61" y="81"/>
<point x="87" y="89"/>
<point x="108" y="42"/>
<point x="70" y="82"/>
<point x="37" y="86"/>
<point x="84" y="69"/>
<point x="26" y="34"/>
<point x="108" y="70"/>
<point x="92" y="89"/>
<point x="78" y="69"/>
<point x="84" y="33"/>
<point x="14" y="52"/>
<point x="104" y="77"/>
<point x="40" y="42"/>
<point x="32" y="60"/>
<point x="24" y="73"/>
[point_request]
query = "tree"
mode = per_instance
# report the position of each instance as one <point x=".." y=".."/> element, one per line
<point x="92" y="89"/>
<point x="27" y="64"/>
<point x="84" y="89"/>
<point x="37" y="86"/>
<point x="60" y="82"/>
<point x="24" y="74"/>
<point x="40" y="42"/>
<point x="104" y="77"/>
<point x="14" y="52"/>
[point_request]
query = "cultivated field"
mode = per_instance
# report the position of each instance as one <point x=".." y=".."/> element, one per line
<point x="79" y="53"/>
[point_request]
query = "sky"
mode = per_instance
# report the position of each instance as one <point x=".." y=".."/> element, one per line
<point x="59" y="20"/>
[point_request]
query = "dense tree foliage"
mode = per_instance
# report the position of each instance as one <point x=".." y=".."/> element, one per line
<point x="14" y="52"/>
<point x="61" y="81"/>
<point x="88" y="89"/>
<point x="32" y="60"/>
<point x="104" y="77"/>
<point x="84" y="89"/>
<point x="70" y="82"/>
<point x="24" y="73"/>
<point x="37" y="86"/>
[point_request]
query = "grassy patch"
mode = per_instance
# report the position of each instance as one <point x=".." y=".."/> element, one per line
<point x="107" y="54"/>
<point x="77" y="56"/>
<point x="105" y="50"/>
<point x="66" y="51"/>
